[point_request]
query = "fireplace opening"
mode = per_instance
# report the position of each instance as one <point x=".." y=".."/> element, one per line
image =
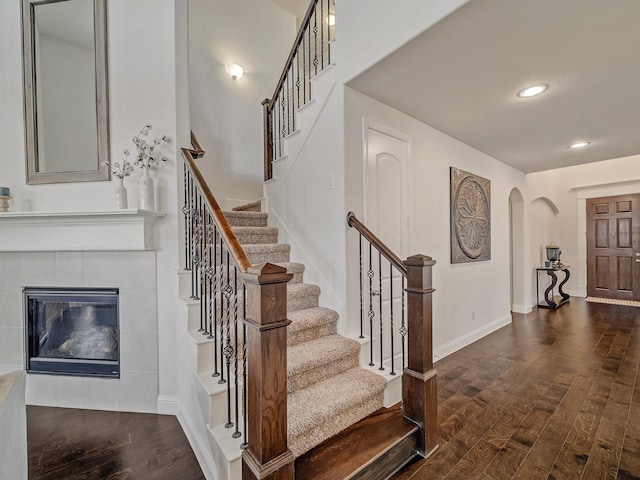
<point x="72" y="331"/>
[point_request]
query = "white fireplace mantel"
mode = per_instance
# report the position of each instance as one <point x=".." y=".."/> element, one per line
<point x="77" y="231"/>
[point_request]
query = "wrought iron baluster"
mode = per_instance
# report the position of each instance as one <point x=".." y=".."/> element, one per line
<point x="393" y="371"/>
<point x="237" y="433"/>
<point x="222" y="318"/>
<point x="381" y="316"/>
<point x="185" y="211"/>
<point x="203" y="276"/>
<point x="403" y="328"/>
<point x="216" y="294"/>
<point x="244" y="366"/>
<point x="315" y="41"/>
<point x="329" y="31"/>
<point x="228" y="350"/>
<point x="371" y="314"/>
<point x="361" y="289"/>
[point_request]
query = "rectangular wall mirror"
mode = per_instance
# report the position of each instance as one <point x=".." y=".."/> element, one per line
<point x="65" y="89"/>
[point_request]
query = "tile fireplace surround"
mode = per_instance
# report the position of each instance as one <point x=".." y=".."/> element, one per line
<point x="134" y="273"/>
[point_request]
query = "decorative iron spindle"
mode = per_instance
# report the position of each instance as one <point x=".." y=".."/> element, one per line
<point x="237" y="433"/>
<point x="380" y="318"/>
<point x="393" y="371"/>
<point x="371" y="313"/>
<point x="403" y="328"/>
<point x="215" y="282"/>
<point x="244" y="366"/>
<point x="361" y="289"/>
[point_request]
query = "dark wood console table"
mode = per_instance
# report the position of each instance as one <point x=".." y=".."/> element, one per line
<point x="549" y="299"/>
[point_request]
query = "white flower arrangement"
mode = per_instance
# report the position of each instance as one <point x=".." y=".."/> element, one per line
<point x="121" y="171"/>
<point x="146" y="158"/>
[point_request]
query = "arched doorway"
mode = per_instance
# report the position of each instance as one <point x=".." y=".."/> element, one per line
<point x="517" y="252"/>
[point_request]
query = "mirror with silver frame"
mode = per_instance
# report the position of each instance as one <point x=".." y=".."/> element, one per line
<point x="65" y="90"/>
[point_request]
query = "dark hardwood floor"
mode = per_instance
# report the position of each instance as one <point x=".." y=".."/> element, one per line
<point x="554" y="395"/>
<point x="74" y="444"/>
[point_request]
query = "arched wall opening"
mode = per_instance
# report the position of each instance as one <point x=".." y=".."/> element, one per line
<point x="517" y="253"/>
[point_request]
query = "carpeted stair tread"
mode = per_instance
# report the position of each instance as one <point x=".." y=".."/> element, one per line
<point x="311" y="323"/>
<point x="301" y="296"/>
<point x="267" y="252"/>
<point x="326" y="408"/>
<point x="246" y="219"/>
<point x="253" y="235"/>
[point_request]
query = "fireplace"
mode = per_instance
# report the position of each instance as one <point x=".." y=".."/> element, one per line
<point x="72" y="331"/>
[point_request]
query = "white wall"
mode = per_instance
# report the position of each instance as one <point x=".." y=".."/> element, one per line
<point x="568" y="188"/>
<point x="144" y="49"/>
<point x="461" y="289"/>
<point x="306" y="206"/>
<point x="369" y="30"/>
<point x="226" y="115"/>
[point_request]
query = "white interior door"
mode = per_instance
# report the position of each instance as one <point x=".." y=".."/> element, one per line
<point x="387" y="189"/>
<point x="387" y="202"/>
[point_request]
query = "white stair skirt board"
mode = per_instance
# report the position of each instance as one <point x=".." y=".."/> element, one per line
<point x="199" y="446"/>
<point x="613" y="301"/>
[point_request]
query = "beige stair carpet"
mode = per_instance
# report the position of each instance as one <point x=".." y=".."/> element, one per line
<point x="328" y="391"/>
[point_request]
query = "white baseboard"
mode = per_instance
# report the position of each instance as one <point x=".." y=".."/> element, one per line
<point x="199" y="446"/>
<point x="467" y="339"/>
<point x="522" y="308"/>
<point x="167" y="405"/>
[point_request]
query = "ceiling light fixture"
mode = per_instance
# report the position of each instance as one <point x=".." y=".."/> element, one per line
<point x="579" y="145"/>
<point x="533" y="90"/>
<point x="234" y="70"/>
<point x="331" y="20"/>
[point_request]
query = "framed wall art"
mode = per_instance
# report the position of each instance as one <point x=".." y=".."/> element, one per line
<point x="470" y="217"/>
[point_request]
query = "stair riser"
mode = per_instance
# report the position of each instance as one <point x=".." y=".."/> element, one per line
<point x="218" y="407"/>
<point x="390" y="462"/>
<point x="255" y="238"/>
<point x="241" y="220"/>
<point x="301" y="302"/>
<point x="294" y="338"/>
<point x="309" y="377"/>
<point x="268" y="257"/>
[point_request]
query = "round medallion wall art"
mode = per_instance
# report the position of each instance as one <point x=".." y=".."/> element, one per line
<point x="470" y="217"/>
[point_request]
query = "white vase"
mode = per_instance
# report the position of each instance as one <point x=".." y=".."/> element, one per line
<point x="121" y="195"/>
<point x="145" y="191"/>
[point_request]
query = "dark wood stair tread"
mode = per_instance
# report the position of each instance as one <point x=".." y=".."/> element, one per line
<point x="373" y="448"/>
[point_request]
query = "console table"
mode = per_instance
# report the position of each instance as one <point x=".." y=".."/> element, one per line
<point x="549" y="300"/>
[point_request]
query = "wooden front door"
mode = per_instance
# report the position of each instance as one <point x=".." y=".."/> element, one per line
<point x="613" y="247"/>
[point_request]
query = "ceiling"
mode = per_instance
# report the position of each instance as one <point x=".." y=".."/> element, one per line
<point x="462" y="77"/>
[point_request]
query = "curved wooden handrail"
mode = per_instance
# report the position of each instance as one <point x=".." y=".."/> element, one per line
<point x="301" y="31"/>
<point x="386" y="252"/>
<point x="230" y="239"/>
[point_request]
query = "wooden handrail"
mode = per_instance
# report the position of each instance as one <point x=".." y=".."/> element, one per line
<point x="353" y="221"/>
<point x="230" y="239"/>
<point x="301" y="31"/>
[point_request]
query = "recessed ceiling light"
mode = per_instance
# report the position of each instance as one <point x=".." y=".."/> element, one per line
<point x="533" y="90"/>
<point x="579" y="145"/>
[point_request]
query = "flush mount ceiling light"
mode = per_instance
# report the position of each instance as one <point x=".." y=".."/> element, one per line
<point x="331" y="20"/>
<point x="234" y="70"/>
<point x="577" y="145"/>
<point x="533" y="90"/>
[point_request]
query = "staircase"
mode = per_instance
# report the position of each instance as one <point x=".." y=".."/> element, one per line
<point x="327" y="389"/>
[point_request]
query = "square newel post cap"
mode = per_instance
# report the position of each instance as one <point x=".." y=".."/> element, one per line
<point x="266" y="273"/>
<point x="419" y="260"/>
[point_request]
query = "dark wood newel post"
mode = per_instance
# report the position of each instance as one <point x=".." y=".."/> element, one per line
<point x="419" y="383"/>
<point x="267" y="455"/>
